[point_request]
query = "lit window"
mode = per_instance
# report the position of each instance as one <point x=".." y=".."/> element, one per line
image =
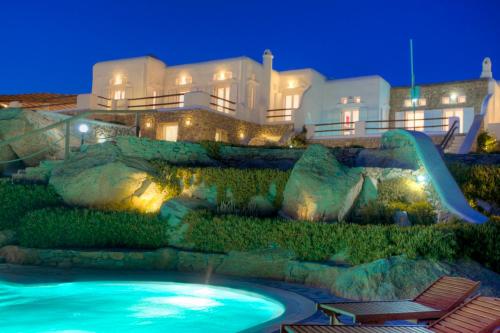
<point x="462" y="99"/>
<point x="343" y="100"/>
<point x="422" y="101"/>
<point x="119" y="94"/>
<point x="407" y="103"/>
<point x="183" y="80"/>
<point x="118" y="80"/>
<point x="445" y="100"/>
<point x="222" y="75"/>
<point x="414" y="120"/>
<point x="357" y="99"/>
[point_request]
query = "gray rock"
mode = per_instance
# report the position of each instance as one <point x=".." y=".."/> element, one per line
<point x="320" y="188"/>
<point x="173" y="211"/>
<point x="401" y="219"/>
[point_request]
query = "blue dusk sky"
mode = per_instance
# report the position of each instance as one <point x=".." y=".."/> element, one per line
<point x="50" y="46"/>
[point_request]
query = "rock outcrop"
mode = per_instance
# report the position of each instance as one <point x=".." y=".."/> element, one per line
<point x="48" y="145"/>
<point x="320" y="188"/>
<point x="102" y="177"/>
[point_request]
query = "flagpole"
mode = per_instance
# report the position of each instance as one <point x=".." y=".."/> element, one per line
<point x="412" y="94"/>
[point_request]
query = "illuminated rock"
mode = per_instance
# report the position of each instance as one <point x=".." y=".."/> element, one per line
<point x="102" y="178"/>
<point x="320" y="188"/>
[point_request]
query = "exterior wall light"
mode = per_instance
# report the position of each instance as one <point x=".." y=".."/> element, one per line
<point x="148" y="123"/>
<point x="292" y="84"/>
<point x="242" y="135"/>
<point x="83" y="128"/>
<point x="187" y="122"/>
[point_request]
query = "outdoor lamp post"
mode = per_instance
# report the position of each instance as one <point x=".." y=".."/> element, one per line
<point x="83" y="128"/>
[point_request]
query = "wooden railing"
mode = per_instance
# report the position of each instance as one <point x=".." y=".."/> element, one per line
<point x="222" y="104"/>
<point x="280" y="114"/>
<point x="349" y="127"/>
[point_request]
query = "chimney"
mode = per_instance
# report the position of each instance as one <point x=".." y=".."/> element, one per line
<point x="267" y="62"/>
<point x="486" y="73"/>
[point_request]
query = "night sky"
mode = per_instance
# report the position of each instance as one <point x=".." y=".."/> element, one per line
<point x="50" y="46"/>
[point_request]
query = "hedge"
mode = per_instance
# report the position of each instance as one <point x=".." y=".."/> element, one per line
<point x="16" y="200"/>
<point x="478" y="181"/>
<point x="361" y="243"/>
<point x="83" y="228"/>
<point x="317" y="241"/>
<point x="233" y="185"/>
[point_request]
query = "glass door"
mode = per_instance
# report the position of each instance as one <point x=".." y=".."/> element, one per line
<point x="223" y="98"/>
<point x="414" y="120"/>
<point x="349" y="117"/>
<point x="459" y="113"/>
<point x="291" y="103"/>
<point x="170" y="131"/>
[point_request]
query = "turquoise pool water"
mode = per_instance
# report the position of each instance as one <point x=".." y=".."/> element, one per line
<point x="103" y="307"/>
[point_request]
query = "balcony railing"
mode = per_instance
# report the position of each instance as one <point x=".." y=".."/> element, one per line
<point x="221" y="104"/>
<point x="275" y="115"/>
<point x="162" y="100"/>
<point x="360" y="128"/>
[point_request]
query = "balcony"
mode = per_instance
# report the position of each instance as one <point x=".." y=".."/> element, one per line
<point x="188" y="100"/>
<point x="280" y="115"/>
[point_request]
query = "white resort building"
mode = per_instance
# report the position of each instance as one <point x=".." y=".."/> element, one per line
<point x="240" y="100"/>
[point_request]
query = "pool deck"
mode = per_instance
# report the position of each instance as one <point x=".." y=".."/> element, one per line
<point x="299" y="300"/>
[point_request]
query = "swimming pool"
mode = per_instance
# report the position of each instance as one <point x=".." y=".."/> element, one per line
<point x="131" y="306"/>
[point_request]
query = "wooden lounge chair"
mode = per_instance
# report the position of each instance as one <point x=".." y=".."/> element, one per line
<point x="479" y="315"/>
<point x="445" y="294"/>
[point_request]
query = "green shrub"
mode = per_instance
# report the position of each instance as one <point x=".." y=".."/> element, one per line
<point x="361" y="243"/>
<point x="233" y="185"/>
<point x="318" y="241"/>
<point x="478" y="181"/>
<point x="82" y="228"/>
<point x="398" y="194"/>
<point x="17" y="200"/>
<point x="479" y="242"/>
<point x="486" y="142"/>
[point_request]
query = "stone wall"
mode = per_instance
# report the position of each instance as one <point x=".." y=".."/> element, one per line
<point x="384" y="279"/>
<point x="474" y="90"/>
<point x="199" y="125"/>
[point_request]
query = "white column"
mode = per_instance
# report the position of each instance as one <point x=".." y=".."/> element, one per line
<point x="360" y="128"/>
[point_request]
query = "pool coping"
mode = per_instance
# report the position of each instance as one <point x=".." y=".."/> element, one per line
<point x="297" y="307"/>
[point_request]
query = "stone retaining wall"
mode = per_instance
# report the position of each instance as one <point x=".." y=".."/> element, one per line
<point x="392" y="278"/>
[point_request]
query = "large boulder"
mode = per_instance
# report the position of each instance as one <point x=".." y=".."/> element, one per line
<point x="320" y="188"/>
<point x="101" y="177"/>
<point x="33" y="148"/>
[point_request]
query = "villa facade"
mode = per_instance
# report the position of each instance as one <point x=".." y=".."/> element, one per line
<point x="243" y="101"/>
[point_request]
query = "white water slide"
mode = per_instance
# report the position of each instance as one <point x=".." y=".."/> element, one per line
<point x="449" y="193"/>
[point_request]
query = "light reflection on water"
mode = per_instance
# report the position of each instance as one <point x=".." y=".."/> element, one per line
<point x="98" y="307"/>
